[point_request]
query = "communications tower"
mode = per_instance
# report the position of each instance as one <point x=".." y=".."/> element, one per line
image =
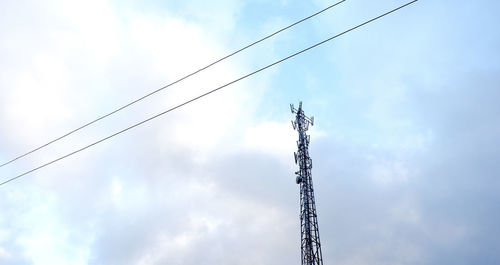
<point x="310" y="243"/>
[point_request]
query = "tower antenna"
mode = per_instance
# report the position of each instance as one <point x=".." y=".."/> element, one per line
<point x="309" y="230"/>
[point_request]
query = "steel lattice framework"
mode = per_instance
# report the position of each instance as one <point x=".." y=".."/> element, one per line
<point x="310" y="243"/>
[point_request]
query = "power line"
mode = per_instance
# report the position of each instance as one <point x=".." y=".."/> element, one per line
<point x="171" y="84"/>
<point x="209" y="92"/>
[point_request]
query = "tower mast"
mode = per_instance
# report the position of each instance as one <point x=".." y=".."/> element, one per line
<point x="310" y="243"/>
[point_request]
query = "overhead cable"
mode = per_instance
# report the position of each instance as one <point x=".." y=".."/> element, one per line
<point x="171" y="84"/>
<point x="209" y="92"/>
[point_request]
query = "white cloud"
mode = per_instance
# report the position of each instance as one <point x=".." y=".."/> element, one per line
<point x="92" y="41"/>
<point x="273" y="138"/>
<point x="4" y="254"/>
<point x="388" y="172"/>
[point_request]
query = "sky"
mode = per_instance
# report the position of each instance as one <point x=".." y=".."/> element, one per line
<point x="405" y="144"/>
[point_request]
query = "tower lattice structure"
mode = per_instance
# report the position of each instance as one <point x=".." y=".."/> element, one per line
<point x="310" y="243"/>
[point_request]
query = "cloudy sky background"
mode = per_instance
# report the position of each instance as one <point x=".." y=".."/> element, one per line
<point x="405" y="147"/>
